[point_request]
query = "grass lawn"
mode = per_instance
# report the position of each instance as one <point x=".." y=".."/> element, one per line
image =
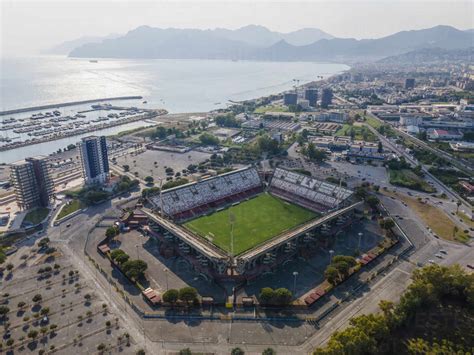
<point x="434" y="218"/>
<point x="69" y="208"/>
<point x="409" y="179"/>
<point x="360" y="132"/>
<point x="256" y="220"/>
<point x="263" y="109"/>
<point x="36" y="216"/>
<point x="375" y="123"/>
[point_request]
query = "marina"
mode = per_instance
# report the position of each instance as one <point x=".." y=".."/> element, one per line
<point x="23" y="129"/>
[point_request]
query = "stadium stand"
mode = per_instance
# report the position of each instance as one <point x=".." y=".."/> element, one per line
<point x="306" y="191"/>
<point x="194" y="199"/>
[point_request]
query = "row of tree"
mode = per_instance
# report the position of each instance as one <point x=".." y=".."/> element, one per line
<point x="278" y="297"/>
<point x="339" y="268"/>
<point x="434" y="316"/>
<point x="187" y="295"/>
<point x="134" y="269"/>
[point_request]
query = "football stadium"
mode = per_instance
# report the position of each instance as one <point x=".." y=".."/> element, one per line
<point x="239" y="225"/>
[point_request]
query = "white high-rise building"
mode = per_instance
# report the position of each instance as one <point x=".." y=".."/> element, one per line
<point x="94" y="159"/>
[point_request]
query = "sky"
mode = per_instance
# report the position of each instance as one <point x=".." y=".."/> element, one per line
<point x="29" y="26"/>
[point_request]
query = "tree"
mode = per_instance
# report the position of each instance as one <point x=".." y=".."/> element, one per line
<point x="372" y="201"/>
<point x="32" y="334"/>
<point x="126" y="168"/>
<point x="116" y="253"/>
<point x="122" y="258"/>
<point x="188" y="294"/>
<point x="268" y="351"/>
<point x="21" y="304"/>
<point x="3" y="256"/>
<point x="43" y="243"/>
<point x="149" y="180"/>
<point x="37" y="298"/>
<point x="111" y="232"/>
<point x="208" y="139"/>
<point x="160" y="132"/>
<point x="171" y="296"/>
<point x="237" y="351"/>
<point x="387" y="223"/>
<point x="332" y="275"/>
<point x="140" y="352"/>
<point x="313" y="153"/>
<point x="342" y="267"/>
<point x="282" y="296"/>
<point x="266" y="295"/>
<point x="134" y="268"/>
<point x="4" y="311"/>
<point x="9" y="266"/>
<point x="186" y="351"/>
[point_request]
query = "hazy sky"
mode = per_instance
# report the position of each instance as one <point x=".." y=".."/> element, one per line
<point x="29" y="26"/>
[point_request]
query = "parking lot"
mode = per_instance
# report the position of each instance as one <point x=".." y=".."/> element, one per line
<point x="311" y="270"/>
<point x="144" y="163"/>
<point x="51" y="307"/>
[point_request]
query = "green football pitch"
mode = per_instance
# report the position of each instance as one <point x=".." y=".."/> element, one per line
<point x="256" y="221"/>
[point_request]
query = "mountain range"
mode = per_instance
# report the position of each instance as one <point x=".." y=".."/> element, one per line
<point x="68" y="46"/>
<point x="259" y="43"/>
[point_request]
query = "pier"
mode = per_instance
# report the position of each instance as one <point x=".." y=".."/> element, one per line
<point x="72" y="103"/>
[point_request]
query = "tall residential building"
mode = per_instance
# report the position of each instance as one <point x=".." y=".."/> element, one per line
<point x="290" y="98"/>
<point x="311" y="94"/>
<point x="32" y="182"/>
<point x="94" y="159"/>
<point x="409" y="83"/>
<point x="326" y="98"/>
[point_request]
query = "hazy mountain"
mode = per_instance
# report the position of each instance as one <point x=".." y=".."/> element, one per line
<point x="444" y="37"/>
<point x="68" y="46"/>
<point x="432" y="55"/>
<point x="251" y="42"/>
<point x="260" y="36"/>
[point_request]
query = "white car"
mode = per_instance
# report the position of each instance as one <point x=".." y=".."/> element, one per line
<point x="438" y="255"/>
<point x="431" y="261"/>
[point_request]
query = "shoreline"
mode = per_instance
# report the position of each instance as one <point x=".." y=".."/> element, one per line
<point x="72" y="103"/>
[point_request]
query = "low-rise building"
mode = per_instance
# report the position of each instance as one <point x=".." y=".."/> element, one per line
<point x="442" y="134"/>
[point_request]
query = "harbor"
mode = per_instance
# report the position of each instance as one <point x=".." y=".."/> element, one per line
<point x="44" y="127"/>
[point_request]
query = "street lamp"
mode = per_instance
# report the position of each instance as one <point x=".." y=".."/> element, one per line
<point x="360" y="236"/>
<point x="331" y="252"/>
<point x="166" y="274"/>
<point x="136" y="246"/>
<point x="295" y="274"/>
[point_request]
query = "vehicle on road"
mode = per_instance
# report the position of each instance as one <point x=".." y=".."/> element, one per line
<point x="431" y="261"/>
<point x="443" y="251"/>
<point x="439" y="255"/>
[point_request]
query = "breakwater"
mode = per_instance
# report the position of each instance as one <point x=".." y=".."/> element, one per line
<point x="72" y="103"/>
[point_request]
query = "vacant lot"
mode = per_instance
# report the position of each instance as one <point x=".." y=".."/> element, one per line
<point x="256" y="220"/>
<point x="407" y="178"/>
<point x="434" y="218"/>
<point x="69" y="208"/>
<point x="357" y="132"/>
<point x="36" y="216"/>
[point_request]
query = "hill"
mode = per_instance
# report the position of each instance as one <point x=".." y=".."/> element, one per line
<point x="258" y="43"/>
<point x="431" y="55"/>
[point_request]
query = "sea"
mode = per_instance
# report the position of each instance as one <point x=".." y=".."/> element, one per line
<point x="175" y="85"/>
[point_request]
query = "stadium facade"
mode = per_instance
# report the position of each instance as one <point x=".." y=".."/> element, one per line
<point x="332" y="205"/>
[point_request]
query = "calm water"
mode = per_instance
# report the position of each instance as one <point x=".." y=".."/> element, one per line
<point x="176" y="85"/>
